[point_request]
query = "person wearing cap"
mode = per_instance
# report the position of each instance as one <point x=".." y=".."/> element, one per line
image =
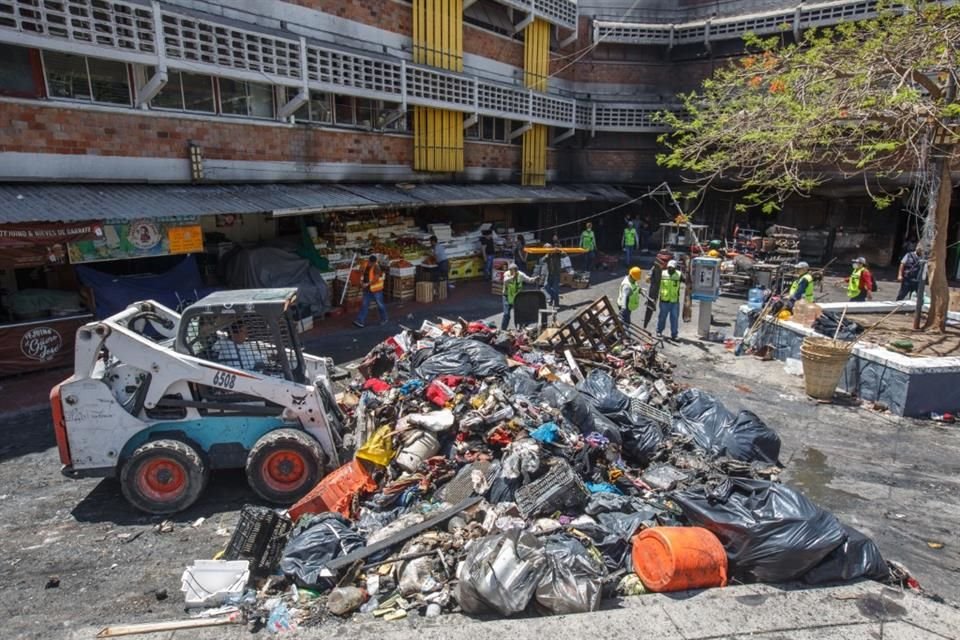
<point x="669" y="300"/>
<point x="802" y="287"/>
<point x="235" y="350"/>
<point x="911" y="270"/>
<point x="629" y="298"/>
<point x="629" y="242"/>
<point x="588" y="241"/>
<point x="372" y="283"/>
<point x="513" y="281"/>
<point x="440" y="255"/>
<point x="550" y="264"/>
<point x="860" y="284"/>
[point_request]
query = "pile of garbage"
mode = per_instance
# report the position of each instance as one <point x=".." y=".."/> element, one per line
<point x="492" y="476"/>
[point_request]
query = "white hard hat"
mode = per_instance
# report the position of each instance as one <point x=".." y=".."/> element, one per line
<point x="512" y="266"/>
<point x="672" y="263"/>
<point x="547" y="245"/>
<point x="802" y="265"/>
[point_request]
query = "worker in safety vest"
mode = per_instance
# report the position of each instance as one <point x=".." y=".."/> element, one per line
<point x="860" y="284"/>
<point x="588" y="241"/>
<point x="513" y="281"/>
<point x="629" y="298"/>
<point x="629" y="242"/>
<point x="669" y="299"/>
<point x="802" y="287"/>
<point x="372" y="282"/>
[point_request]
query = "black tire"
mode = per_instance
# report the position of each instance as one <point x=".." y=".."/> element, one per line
<point x="163" y="476"/>
<point x="284" y="465"/>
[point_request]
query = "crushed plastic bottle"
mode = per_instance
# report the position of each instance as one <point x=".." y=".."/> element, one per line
<point x="947" y="418"/>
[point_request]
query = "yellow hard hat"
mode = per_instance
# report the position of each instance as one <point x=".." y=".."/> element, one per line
<point x="713" y="253"/>
<point x="636" y="273"/>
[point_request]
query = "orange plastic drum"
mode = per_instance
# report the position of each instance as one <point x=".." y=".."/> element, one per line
<point x="679" y="558"/>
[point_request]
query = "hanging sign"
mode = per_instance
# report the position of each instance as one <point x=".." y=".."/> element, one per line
<point x="38" y="244"/>
<point x="144" y="238"/>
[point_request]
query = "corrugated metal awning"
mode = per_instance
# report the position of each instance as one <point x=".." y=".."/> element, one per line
<point x="74" y="202"/>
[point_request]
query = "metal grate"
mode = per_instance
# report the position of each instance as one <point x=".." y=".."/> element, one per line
<point x="804" y="17"/>
<point x="98" y="22"/>
<point x="426" y="86"/>
<point x="347" y="70"/>
<point x="189" y="39"/>
<point x="563" y="13"/>
<point x="496" y="99"/>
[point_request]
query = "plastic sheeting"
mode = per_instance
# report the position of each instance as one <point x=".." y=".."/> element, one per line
<point x="113" y="293"/>
<point x="857" y="557"/>
<point x="713" y="428"/>
<point x="314" y="542"/>
<point x="267" y="267"/>
<point x="573" y="580"/>
<point x="771" y="532"/>
<point x="501" y="573"/>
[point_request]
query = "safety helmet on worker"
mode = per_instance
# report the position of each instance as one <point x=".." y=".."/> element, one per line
<point x="672" y="264"/>
<point x="803" y="266"/>
<point x="635" y="273"/>
<point x="713" y="253"/>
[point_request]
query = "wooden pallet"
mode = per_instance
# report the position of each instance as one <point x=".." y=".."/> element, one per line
<point x="596" y="328"/>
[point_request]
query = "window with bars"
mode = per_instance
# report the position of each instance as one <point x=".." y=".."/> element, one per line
<point x="88" y="79"/>
<point x="241" y="98"/>
<point x="185" y="92"/>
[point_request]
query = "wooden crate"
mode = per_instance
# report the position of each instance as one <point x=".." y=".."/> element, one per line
<point x="401" y="287"/>
<point x="440" y="290"/>
<point x="424" y="292"/>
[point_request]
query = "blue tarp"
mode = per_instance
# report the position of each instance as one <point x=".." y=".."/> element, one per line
<point x="176" y="288"/>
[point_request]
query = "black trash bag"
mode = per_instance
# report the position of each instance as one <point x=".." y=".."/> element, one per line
<point x="858" y="557"/>
<point x="771" y="532"/>
<point x="640" y="442"/>
<point x="827" y="323"/>
<point x="626" y="525"/>
<point x="601" y="388"/>
<point x="521" y="383"/>
<point x="458" y="357"/>
<point x="573" y="580"/>
<point x="717" y="431"/>
<point x="614" y="546"/>
<point x="578" y="410"/>
<point x="315" y="541"/>
<point x="501" y="573"/>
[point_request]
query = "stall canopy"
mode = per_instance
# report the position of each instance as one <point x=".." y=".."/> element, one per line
<point x="75" y="202"/>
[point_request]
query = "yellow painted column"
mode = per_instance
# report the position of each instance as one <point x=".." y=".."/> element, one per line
<point x="536" y="71"/>
<point x="438" y="42"/>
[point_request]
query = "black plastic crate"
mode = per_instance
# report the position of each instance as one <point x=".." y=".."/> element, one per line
<point x="259" y="537"/>
<point x="559" y="489"/>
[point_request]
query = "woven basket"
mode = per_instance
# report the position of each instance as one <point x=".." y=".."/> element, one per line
<point x="823" y="363"/>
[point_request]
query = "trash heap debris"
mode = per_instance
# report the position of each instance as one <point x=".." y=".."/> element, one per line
<point x="493" y="476"/>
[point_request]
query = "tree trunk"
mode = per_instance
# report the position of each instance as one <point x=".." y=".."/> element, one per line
<point x="939" y="290"/>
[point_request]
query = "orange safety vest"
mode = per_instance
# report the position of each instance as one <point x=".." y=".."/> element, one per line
<point x="374" y="278"/>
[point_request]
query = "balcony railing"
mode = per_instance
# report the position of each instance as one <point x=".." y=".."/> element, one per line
<point x="152" y="35"/>
<point x="803" y="16"/>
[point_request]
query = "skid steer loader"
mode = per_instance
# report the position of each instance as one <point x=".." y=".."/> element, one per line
<point x="159" y="399"/>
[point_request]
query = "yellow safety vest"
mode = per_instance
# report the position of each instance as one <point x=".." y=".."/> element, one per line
<point x="588" y="241"/>
<point x="808" y="292"/>
<point x="853" y="290"/>
<point x="633" y="300"/>
<point x="670" y="287"/>
<point x="511" y="287"/>
<point x="629" y="237"/>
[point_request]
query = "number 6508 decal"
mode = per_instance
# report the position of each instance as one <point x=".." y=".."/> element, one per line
<point x="224" y="379"/>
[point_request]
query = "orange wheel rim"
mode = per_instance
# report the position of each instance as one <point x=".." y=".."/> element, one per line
<point x="162" y="479"/>
<point x="284" y="470"/>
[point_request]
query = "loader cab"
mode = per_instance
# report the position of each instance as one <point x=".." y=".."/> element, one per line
<point x="251" y="329"/>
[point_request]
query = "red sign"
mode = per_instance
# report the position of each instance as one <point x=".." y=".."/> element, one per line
<point x="35" y="245"/>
